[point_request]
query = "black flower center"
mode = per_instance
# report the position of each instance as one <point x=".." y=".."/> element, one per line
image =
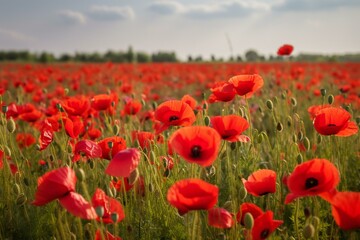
<point x="331" y="125"/>
<point x="195" y="151"/>
<point x="264" y="193"/>
<point x="173" y="118"/>
<point x="310" y="183"/>
<point x="264" y="233"/>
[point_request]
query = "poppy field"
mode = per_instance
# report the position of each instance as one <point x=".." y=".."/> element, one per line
<point x="180" y="151"/>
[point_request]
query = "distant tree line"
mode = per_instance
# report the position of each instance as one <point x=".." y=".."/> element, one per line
<point x="130" y="56"/>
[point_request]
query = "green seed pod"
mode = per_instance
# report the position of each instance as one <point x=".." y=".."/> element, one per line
<point x="331" y="99"/>
<point x="167" y="172"/>
<point x="269" y="104"/>
<point x="300" y="135"/>
<point x="306" y="143"/>
<point x="276" y="100"/>
<point x="207" y="121"/>
<point x="283" y="95"/>
<point x="17" y="188"/>
<point x="260" y="138"/>
<point x="289" y="121"/>
<point x="4" y="109"/>
<point x="299" y="158"/>
<point x="307" y="212"/>
<point x="100" y="211"/>
<point x="143" y="103"/>
<point x="279" y="127"/>
<point x="80" y="174"/>
<point x="308" y="231"/>
<point x="294" y="137"/>
<point x="116" y="129"/>
<point x="348" y="108"/>
<point x="248" y="221"/>
<point x="11" y="126"/>
<point x="205" y="106"/>
<point x="134" y="176"/>
<point x="154" y="105"/>
<point x="357" y="120"/>
<point x="7" y="151"/>
<point x="26" y="181"/>
<point x="319" y="139"/>
<point x="114" y="217"/>
<point x="323" y="92"/>
<point x="293" y="102"/>
<point x="243" y="193"/>
<point x="21" y="199"/>
<point x="110" y="144"/>
<point x="228" y="206"/>
<point x="315" y="221"/>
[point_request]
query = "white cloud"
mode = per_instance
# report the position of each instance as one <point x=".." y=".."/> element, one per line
<point x="229" y="8"/>
<point x="311" y="5"/>
<point x="72" y="17"/>
<point x="111" y="12"/>
<point x="14" y="35"/>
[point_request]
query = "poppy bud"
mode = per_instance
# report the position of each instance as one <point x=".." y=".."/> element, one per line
<point x="205" y="106"/>
<point x="167" y="173"/>
<point x="154" y="105"/>
<point x="21" y="199"/>
<point x="207" y="121"/>
<point x="289" y="121"/>
<point x="308" y="231"/>
<point x="92" y="164"/>
<point x="80" y="174"/>
<point x="276" y="100"/>
<point x="11" y="126"/>
<point x="134" y="176"/>
<point x="16" y="188"/>
<point x="299" y="158"/>
<point x="315" y="221"/>
<point x="306" y="143"/>
<point x="241" y="112"/>
<point x="300" y="136"/>
<point x="269" y="104"/>
<point x="331" y="99"/>
<point x="151" y="187"/>
<point x="248" y="221"/>
<point x="348" y="108"/>
<point x="110" y="144"/>
<point x="294" y="137"/>
<point x="228" y="206"/>
<point x="7" y="151"/>
<point x="59" y="107"/>
<point x="279" y="127"/>
<point x="114" y="217"/>
<point x="66" y="91"/>
<point x="143" y="102"/>
<point x="260" y="138"/>
<point x="283" y="95"/>
<point x="307" y="212"/>
<point x="116" y="129"/>
<point x="293" y="102"/>
<point x="243" y="193"/>
<point x="323" y="92"/>
<point x="357" y="120"/>
<point x="319" y="139"/>
<point x="26" y="181"/>
<point x="4" y="109"/>
<point x="100" y="211"/>
<point x="210" y="171"/>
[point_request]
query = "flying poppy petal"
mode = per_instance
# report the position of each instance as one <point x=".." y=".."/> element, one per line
<point x="78" y="206"/>
<point x="123" y="163"/>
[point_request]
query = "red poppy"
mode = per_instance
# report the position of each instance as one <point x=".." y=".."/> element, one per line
<point x="196" y="144"/>
<point x="192" y="194"/>
<point x="94" y="133"/>
<point x="247" y="85"/>
<point x="76" y="204"/>
<point x="54" y="184"/>
<point x="251" y="208"/>
<point x="107" y="236"/>
<point x="189" y="100"/>
<point x="222" y="92"/>
<point x="174" y="113"/>
<point x="101" y="102"/>
<point x="109" y="205"/>
<point x="313" y="110"/>
<point x="117" y="144"/>
<point x="46" y="135"/>
<point x="334" y="121"/>
<point x="220" y="218"/>
<point x="132" y="107"/>
<point x="261" y="182"/>
<point x="264" y="225"/>
<point x="312" y="178"/>
<point x="285" y="50"/>
<point x="88" y="148"/>
<point x="123" y="163"/>
<point x="144" y="138"/>
<point x="74" y="126"/>
<point x="231" y="127"/>
<point x="25" y="139"/>
<point x="76" y="106"/>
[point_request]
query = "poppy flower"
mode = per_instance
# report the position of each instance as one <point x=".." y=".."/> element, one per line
<point x="132" y="107"/>
<point x="76" y="106"/>
<point x="334" y="121"/>
<point x="88" y="148"/>
<point x="261" y="182"/>
<point x="222" y="92"/>
<point x="345" y="208"/>
<point x="285" y="50"/>
<point x="220" y="218"/>
<point x="174" y="113"/>
<point x="196" y="144"/>
<point x="264" y="225"/>
<point x="189" y="100"/>
<point x="312" y="178"/>
<point x="117" y="144"/>
<point x="246" y="85"/>
<point x="144" y="138"/>
<point x="192" y="194"/>
<point x="76" y="204"/>
<point x="313" y="110"/>
<point x="107" y="236"/>
<point x="101" y="102"/>
<point x="110" y="206"/>
<point x="123" y="163"/>
<point x="25" y="139"/>
<point x="251" y="208"/>
<point x="46" y="135"/>
<point x="54" y="184"/>
<point x="74" y="127"/>
<point x="231" y="127"/>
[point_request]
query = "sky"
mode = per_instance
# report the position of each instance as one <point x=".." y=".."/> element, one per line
<point x="188" y="27"/>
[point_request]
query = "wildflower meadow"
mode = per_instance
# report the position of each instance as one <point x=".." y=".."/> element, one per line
<point x="180" y="150"/>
